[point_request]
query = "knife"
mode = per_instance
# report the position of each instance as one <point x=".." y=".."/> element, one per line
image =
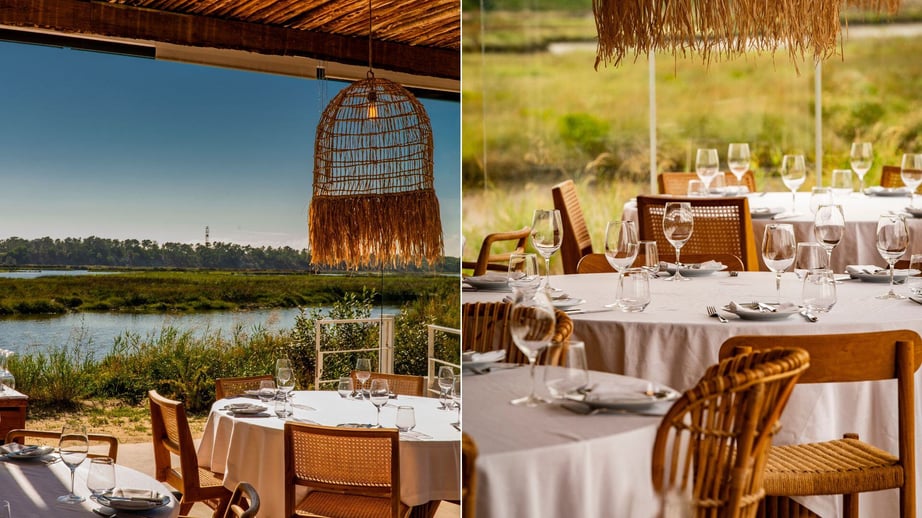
<point x="584" y="311"/>
<point x="809" y="316"/>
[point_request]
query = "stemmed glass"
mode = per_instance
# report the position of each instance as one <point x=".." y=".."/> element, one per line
<point x="362" y="373"/>
<point x="892" y="241"/>
<point x="707" y="165"/>
<point x="379" y="395"/>
<point x="738" y="158"/>
<point x="793" y="174"/>
<point x="911" y="173"/>
<point x="861" y="158"/>
<point x="73" y="446"/>
<point x="532" y="327"/>
<point x="523" y="271"/>
<point x="621" y="244"/>
<point x="446" y="378"/>
<point x="678" y="224"/>
<point x="829" y="228"/>
<point x="286" y="380"/>
<point x="778" y="246"/>
<point x="546" y="237"/>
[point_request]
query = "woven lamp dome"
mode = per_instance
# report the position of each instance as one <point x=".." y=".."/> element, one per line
<point x="374" y="202"/>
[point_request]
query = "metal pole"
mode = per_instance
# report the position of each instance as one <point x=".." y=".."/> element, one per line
<point x="818" y="119"/>
<point x="651" y="61"/>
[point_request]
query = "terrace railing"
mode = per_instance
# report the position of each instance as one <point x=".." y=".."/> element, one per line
<point x="385" y="348"/>
<point x="434" y="363"/>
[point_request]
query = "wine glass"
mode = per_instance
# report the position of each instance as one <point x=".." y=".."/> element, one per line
<point x="546" y="237"/>
<point x="101" y="477"/>
<point x="523" y="271"/>
<point x="266" y="390"/>
<point x="738" y="158"/>
<point x="793" y="174"/>
<point x="892" y="241"/>
<point x="778" y="246"/>
<point x="829" y="228"/>
<point x="861" y="158"/>
<point x="809" y="257"/>
<point x="345" y="388"/>
<point x="707" y="165"/>
<point x="911" y="173"/>
<point x="456" y="399"/>
<point x="73" y="446"/>
<point x="563" y="382"/>
<point x="379" y="395"/>
<point x="362" y="373"/>
<point x="532" y="325"/>
<point x="621" y="244"/>
<point x="282" y="363"/>
<point x="286" y="380"/>
<point x="446" y="378"/>
<point x="678" y="224"/>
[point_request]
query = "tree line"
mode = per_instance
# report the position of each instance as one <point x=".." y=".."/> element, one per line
<point x="133" y="253"/>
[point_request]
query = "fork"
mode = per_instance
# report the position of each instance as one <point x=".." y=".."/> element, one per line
<point x="712" y="312"/>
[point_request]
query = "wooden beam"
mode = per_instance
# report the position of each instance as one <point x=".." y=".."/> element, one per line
<point x="111" y="20"/>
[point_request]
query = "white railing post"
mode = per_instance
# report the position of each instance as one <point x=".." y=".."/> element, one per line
<point x="430" y="354"/>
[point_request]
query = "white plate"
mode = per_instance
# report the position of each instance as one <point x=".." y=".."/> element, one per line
<point x="916" y="212"/>
<point x="883" y="276"/>
<point x="766" y="212"/>
<point x="623" y="400"/>
<point x="245" y="408"/>
<point x="474" y="361"/>
<point x="131" y="503"/>
<point x="886" y="191"/>
<point x="567" y="303"/>
<point x="29" y="452"/>
<point x="696" y="272"/>
<point x="488" y="282"/>
<point x="750" y="311"/>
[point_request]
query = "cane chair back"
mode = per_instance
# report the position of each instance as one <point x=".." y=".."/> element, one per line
<point x="485" y="327"/>
<point x="677" y="183"/>
<point x="576" y="239"/>
<point x="101" y="444"/>
<point x="712" y="443"/>
<point x="487" y="260"/>
<point x="233" y="387"/>
<point x="402" y="384"/>
<point x="722" y="226"/>
<point x="848" y="466"/>
<point x="596" y="263"/>
<point x="349" y="472"/>
<point x="171" y="436"/>
<point x="468" y="476"/>
<point x="890" y="177"/>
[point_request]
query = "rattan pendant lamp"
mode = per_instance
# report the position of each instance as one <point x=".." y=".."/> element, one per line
<point x="374" y="202"/>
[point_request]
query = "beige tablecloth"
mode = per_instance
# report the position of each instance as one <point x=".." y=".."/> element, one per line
<point x="550" y="462"/>
<point x="673" y="341"/>
<point x="251" y="449"/>
<point x="32" y="488"/>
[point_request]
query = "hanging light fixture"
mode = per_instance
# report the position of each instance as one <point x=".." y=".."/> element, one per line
<point x="374" y="202"/>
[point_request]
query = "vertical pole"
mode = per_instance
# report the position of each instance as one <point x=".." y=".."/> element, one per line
<point x="818" y="119"/>
<point x="651" y="61"/>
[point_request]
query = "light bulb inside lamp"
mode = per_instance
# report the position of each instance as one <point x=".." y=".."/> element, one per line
<point x="372" y="105"/>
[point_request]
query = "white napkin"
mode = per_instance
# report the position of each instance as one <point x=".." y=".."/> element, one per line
<point x="864" y="269"/>
<point x="707" y="265"/>
<point x="747" y="307"/>
<point x="490" y="356"/>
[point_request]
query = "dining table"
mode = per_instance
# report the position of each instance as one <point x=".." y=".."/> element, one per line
<point x="548" y="461"/>
<point x="673" y="340"/>
<point x="861" y="211"/>
<point x="32" y="486"/>
<point x="250" y="447"/>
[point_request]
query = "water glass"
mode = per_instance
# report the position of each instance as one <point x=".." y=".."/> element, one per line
<point x="820" y="196"/>
<point x="819" y="293"/>
<point x="650" y="257"/>
<point x="697" y="188"/>
<point x="345" y="387"/>
<point x="101" y="477"/>
<point x="914" y="281"/>
<point x="266" y="390"/>
<point x="406" y="418"/>
<point x="842" y="184"/>
<point x="809" y="257"/>
<point x="523" y="271"/>
<point x="282" y="406"/>
<point x="562" y="382"/>
<point x="5" y="511"/>
<point x="718" y="184"/>
<point x="633" y="294"/>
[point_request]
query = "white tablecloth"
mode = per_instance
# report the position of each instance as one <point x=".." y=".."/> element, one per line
<point x="251" y="449"/>
<point x="549" y="462"/>
<point x="861" y="215"/>
<point x="32" y="488"/>
<point x="673" y="341"/>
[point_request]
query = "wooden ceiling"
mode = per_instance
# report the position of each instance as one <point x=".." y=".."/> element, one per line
<point x="416" y="42"/>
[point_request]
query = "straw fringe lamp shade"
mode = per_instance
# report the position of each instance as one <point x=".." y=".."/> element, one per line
<point x="721" y="28"/>
<point x="374" y="202"/>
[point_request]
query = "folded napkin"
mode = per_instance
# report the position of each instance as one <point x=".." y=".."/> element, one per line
<point x="753" y="307"/>
<point x="707" y="265"/>
<point x="865" y="269"/>
<point x="136" y="495"/>
<point x="491" y="356"/>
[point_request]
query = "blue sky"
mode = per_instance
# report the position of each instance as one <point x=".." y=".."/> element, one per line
<point x="122" y="147"/>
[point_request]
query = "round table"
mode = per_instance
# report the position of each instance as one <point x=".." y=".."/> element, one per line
<point x="251" y="449"/>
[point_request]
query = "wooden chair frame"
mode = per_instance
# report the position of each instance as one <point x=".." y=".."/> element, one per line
<point x="596" y="263"/>
<point x="890" y="177"/>
<point x="402" y="384"/>
<point x="843" y="358"/>
<point x="485" y="327"/>
<point x="486" y="260"/>
<point x="19" y="435"/>
<point x="468" y="476"/>
<point x="576" y="239"/>
<point x="231" y="387"/>
<point x="677" y="182"/>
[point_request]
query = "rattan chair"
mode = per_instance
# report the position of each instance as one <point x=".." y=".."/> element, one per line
<point x="890" y="177"/>
<point x="108" y="442"/>
<point x="402" y="384"/>
<point x="712" y="443"/>
<point x="468" y="476"/>
<point x="848" y="466"/>
<point x="576" y="239"/>
<point x="596" y="263"/>
<point x="487" y="260"/>
<point x="485" y="327"/>
<point x="722" y="226"/>
<point x="171" y="435"/>
<point x="244" y="502"/>
<point x="677" y="183"/>
<point x="233" y="387"/>
<point x="349" y="472"/>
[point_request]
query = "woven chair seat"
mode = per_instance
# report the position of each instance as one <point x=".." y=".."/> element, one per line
<point x="830" y="468"/>
<point x="337" y="505"/>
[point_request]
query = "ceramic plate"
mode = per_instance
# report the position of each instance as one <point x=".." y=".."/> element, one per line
<point x="916" y="212"/>
<point x="474" y="361"/>
<point x="886" y="191"/>
<point x="750" y="311"/>
<point x="624" y="400"/>
<point x="245" y="408"/>
<point x="883" y="276"/>
<point x="132" y="500"/>
<point x="567" y="303"/>
<point x="766" y="212"/>
<point x="29" y="452"/>
<point x="696" y="270"/>
<point x="488" y="282"/>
